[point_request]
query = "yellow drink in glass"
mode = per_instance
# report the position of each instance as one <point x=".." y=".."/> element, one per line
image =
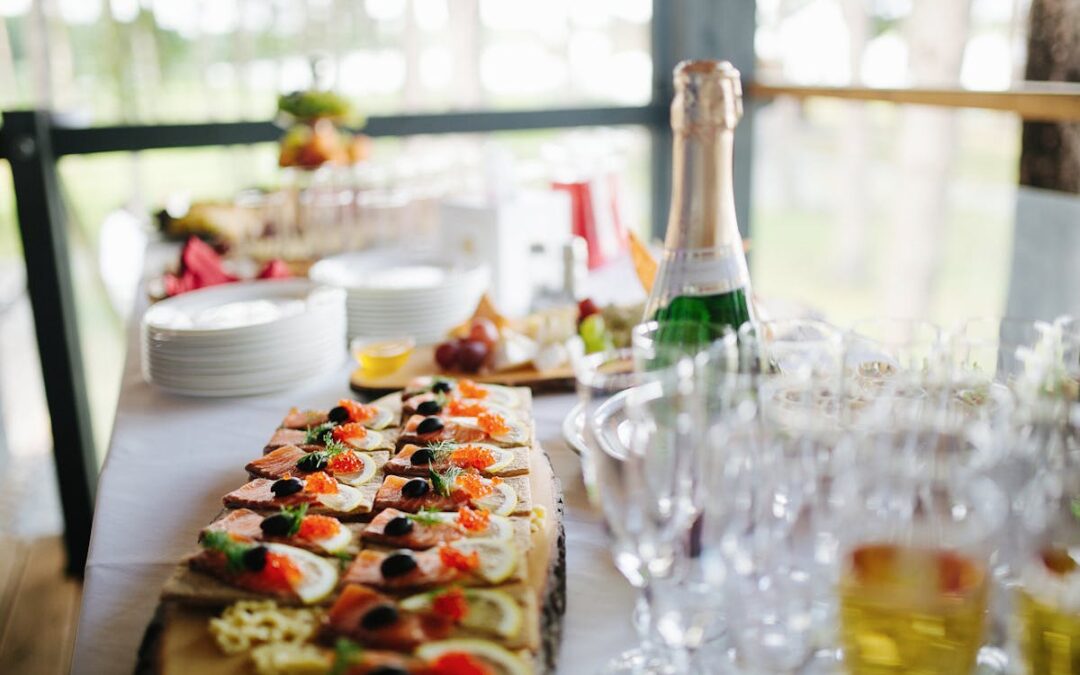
<point x="1049" y="615"/>
<point x="911" y="610"/>
<point x="382" y="357"/>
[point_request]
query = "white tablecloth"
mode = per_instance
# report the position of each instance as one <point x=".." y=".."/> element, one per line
<point x="172" y="458"/>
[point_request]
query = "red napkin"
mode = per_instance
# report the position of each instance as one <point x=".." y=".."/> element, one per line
<point x="200" y="266"/>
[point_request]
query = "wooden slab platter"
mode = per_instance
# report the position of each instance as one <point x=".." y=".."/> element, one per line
<point x="178" y="639"/>
<point x="422" y="362"/>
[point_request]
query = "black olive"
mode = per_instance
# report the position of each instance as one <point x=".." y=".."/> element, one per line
<point x="277" y="525"/>
<point x="429" y="425"/>
<point x="441" y="387"/>
<point x="429" y="408"/>
<point x="388" y="670"/>
<point x="398" y="527"/>
<point x="417" y="487"/>
<point x="338" y="415"/>
<point x="379" y="616"/>
<point x="422" y="456"/>
<point x="313" y="461"/>
<point x="286" y="487"/>
<point x="255" y="558"/>
<point x="397" y="564"/>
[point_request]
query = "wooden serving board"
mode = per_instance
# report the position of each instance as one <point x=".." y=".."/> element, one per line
<point x="177" y="640"/>
<point x="422" y="362"/>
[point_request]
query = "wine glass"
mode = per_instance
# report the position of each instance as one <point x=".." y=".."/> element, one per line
<point x="640" y="429"/>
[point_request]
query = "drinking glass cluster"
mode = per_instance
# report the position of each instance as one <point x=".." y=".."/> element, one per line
<point x="796" y="498"/>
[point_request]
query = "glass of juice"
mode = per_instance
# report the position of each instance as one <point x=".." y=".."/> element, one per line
<point x="911" y="609"/>
<point x="1048" y="612"/>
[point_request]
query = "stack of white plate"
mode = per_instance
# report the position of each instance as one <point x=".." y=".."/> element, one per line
<point x="245" y="338"/>
<point x="393" y="295"/>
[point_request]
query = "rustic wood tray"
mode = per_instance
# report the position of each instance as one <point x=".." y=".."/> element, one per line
<point x="422" y="362"/>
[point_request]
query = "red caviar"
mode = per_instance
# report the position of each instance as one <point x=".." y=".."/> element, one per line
<point x="459" y="663"/>
<point x="473" y="520"/>
<point x="451" y="604"/>
<point x="352" y="430"/>
<point x="459" y="408"/>
<point x="472" y="457"/>
<point x="279" y="575"/>
<point x="492" y="423"/>
<point x="358" y="412"/>
<point x="455" y="559"/>
<point x="470" y="389"/>
<point x="345" y="463"/>
<point x="318" y="527"/>
<point x="473" y="486"/>
<point x="320" y="483"/>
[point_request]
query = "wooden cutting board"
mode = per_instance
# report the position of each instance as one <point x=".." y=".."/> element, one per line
<point x="422" y="362"/>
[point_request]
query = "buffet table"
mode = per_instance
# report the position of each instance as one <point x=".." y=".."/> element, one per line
<point x="170" y="460"/>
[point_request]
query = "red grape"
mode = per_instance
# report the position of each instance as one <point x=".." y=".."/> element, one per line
<point x="446" y="354"/>
<point x="472" y="354"/>
<point x="484" y="330"/>
<point x="586" y="308"/>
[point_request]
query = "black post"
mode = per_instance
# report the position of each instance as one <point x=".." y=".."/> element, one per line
<point x="27" y="145"/>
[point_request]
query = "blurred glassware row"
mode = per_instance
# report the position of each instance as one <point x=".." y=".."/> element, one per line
<point x="894" y="498"/>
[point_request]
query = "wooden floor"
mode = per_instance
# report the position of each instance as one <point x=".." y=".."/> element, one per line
<point x="39" y="607"/>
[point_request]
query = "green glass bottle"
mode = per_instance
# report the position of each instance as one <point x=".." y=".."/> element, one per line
<point x="703" y="275"/>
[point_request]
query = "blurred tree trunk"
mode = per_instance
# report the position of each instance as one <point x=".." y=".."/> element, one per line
<point x="853" y="219"/>
<point x="1050" y="155"/>
<point x="936" y="33"/>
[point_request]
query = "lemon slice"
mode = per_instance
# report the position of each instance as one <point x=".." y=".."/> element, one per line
<point x="503" y="457"/>
<point x="498" y="557"/>
<point x="369" y="441"/>
<point x="499" y="527"/>
<point x="318" y="576"/>
<point x="502" y="502"/>
<point x="383" y="418"/>
<point x="337" y="542"/>
<point x="503" y="396"/>
<point x="366" y="473"/>
<point x="503" y="661"/>
<point x="490" y="610"/>
<point x="517" y="433"/>
<point x="345" y="500"/>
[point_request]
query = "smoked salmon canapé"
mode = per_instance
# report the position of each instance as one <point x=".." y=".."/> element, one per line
<point x="293" y="526"/>
<point x="273" y="570"/>
<point x="452" y="387"/>
<point x="372" y="619"/>
<point x="488" y="459"/>
<point x="346" y="465"/>
<point x="445" y="405"/>
<point x="346" y="411"/>
<point x="453" y="489"/>
<point x="319" y="491"/>
<point x="427" y="529"/>
<point x="353" y="435"/>
<point x="484" y="428"/>
<point x="472" y="562"/>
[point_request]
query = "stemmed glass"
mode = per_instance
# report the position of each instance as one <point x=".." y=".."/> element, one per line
<point x="641" y="429"/>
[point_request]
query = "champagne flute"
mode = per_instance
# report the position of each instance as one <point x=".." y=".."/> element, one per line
<point x="637" y="429"/>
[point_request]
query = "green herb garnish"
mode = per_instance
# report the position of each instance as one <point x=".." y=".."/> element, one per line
<point x="334" y="448"/>
<point x="296" y="515"/>
<point x="441" y="450"/>
<point x="443" y="483"/>
<point x="425" y="517"/>
<point x="316" y="434"/>
<point x="217" y="540"/>
<point x="346" y="653"/>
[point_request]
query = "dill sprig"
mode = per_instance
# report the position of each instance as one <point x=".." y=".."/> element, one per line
<point x="441" y="450"/>
<point x="443" y="483"/>
<point x="295" y="514"/>
<point x="346" y="653"/>
<point x="218" y="540"/>
<point x="316" y="434"/>
<point x="333" y="447"/>
<point x="425" y="517"/>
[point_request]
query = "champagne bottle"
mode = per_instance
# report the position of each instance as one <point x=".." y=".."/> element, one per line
<point x="703" y="275"/>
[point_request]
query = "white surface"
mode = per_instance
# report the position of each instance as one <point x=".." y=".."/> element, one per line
<point x="171" y="459"/>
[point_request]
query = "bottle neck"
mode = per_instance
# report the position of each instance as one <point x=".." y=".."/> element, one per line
<point x="702" y="212"/>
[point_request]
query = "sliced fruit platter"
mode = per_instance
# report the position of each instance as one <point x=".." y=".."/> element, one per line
<point x="420" y="533"/>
